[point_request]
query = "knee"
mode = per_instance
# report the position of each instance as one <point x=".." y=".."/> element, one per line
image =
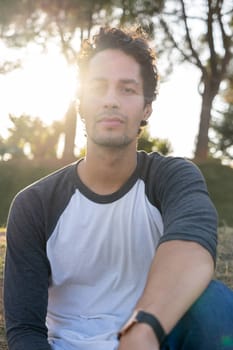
<point x="215" y="302"/>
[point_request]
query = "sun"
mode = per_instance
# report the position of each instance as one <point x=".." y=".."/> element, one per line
<point x="43" y="87"/>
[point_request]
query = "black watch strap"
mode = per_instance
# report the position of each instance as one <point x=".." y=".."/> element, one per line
<point x="151" y="320"/>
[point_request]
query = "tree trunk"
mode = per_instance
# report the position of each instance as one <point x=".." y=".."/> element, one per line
<point x="70" y="133"/>
<point x="209" y="93"/>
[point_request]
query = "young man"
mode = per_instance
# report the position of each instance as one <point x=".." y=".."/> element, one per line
<point x="117" y="250"/>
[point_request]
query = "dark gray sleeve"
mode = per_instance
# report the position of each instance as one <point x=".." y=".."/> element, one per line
<point x="26" y="275"/>
<point x="187" y="211"/>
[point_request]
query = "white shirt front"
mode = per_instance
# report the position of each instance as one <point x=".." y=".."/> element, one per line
<point x="100" y="255"/>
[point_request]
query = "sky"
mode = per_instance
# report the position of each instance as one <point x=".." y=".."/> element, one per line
<point x="176" y="111"/>
<point x="45" y="85"/>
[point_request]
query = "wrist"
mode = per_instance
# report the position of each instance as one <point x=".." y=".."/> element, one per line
<point x="145" y="331"/>
<point x="148" y="324"/>
<point x="140" y="336"/>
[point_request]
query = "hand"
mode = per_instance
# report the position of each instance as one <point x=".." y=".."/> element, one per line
<point x="139" y="337"/>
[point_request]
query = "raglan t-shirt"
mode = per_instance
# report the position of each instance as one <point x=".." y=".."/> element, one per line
<point x="77" y="262"/>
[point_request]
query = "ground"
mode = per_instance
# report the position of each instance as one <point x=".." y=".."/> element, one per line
<point x="224" y="268"/>
<point x="2" y="254"/>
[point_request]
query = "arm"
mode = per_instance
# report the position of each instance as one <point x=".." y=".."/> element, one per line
<point x="26" y="276"/>
<point x="183" y="264"/>
<point x="179" y="274"/>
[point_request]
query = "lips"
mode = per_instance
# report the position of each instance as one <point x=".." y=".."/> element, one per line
<point x="113" y="119"/>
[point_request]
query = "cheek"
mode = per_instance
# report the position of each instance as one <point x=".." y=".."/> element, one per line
<point x="137" y="112"/>
<point x="85" y="107"/>
<point x="90" y="104"/>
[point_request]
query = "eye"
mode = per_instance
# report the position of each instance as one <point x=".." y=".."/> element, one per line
<point x="128" y="90"/>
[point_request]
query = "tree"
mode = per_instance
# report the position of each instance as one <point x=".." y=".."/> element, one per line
<point x="150" y="144"/>
<point x="29" y="137"/>
<point x="66" y="22"/>
<point x="3" y="150"/>
<point x="202" y="35"/>
<point x="222" y="141"/>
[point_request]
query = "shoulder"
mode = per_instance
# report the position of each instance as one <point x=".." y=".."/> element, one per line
<point x="49" y="184"/>
<point x="161" y="170"/>
<point x="42" y="202"/>
<point x="180" y="190"/>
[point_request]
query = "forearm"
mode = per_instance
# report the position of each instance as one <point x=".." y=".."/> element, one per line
<point x="180" y="272"/>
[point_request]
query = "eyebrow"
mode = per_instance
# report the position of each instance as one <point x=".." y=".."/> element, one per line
<point x="129" y="81"/>
<point x="124" y="81"/>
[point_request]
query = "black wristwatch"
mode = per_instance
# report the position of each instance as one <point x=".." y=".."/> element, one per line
<point x="140" y="316"/>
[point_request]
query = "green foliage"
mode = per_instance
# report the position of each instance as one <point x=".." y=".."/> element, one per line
<point x="210" y="53"/>
<point x="2" y="147"/>
<point x="222" y="143"/>
<point x="82" y="152"/>
<point x="219" y="179"/>
<point x="16" y="175"/>
<point x="140" y="12"/>
<point x="29" y="137"/>
<point x="150" y="144"/>
<point x="175" y="26"/>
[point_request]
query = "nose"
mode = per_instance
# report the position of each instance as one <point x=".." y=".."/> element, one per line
<point x="110" y="99"/>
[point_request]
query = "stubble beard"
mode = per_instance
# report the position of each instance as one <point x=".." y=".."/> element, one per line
<point x="113" y="142"/>
<point x="108" y="138"/>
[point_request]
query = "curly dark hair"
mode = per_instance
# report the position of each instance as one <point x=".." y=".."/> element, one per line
<point x="134" y="43"/>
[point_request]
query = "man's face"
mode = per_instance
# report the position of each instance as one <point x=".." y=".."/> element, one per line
<point x="112" y="100"/>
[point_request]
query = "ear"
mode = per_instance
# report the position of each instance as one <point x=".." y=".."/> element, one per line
<point x="147" y="111"/>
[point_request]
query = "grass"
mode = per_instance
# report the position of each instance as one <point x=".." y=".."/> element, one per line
<point x="3" y="345"/>
<point x="224" y="268"/>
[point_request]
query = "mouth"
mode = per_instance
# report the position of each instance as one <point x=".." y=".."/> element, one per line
<point x="111" y="120"/>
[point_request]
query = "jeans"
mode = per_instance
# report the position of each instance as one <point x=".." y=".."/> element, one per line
<point x="208" y="324"/>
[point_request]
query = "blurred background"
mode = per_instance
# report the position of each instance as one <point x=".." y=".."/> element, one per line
<point x="40" y="129"/>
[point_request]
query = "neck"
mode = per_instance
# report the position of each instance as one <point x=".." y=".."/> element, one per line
<point x="105" y="170"/>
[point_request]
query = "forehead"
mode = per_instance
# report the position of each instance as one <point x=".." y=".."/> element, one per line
<point x="113" y="64"/>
